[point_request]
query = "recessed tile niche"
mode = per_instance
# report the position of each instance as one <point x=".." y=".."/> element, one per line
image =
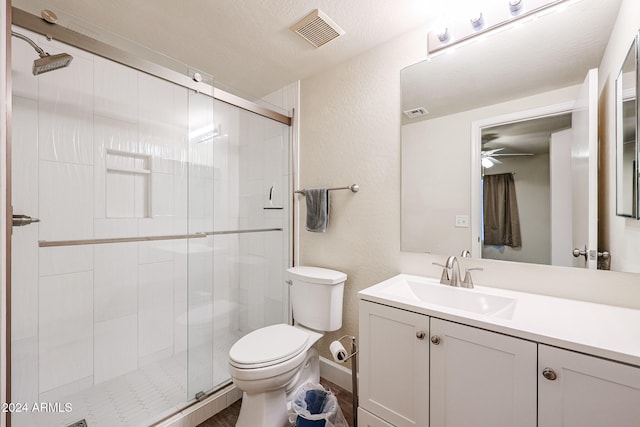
<point x="128" y="185"/>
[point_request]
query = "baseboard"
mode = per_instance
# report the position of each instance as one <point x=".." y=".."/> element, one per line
<point x="338" y="374"/>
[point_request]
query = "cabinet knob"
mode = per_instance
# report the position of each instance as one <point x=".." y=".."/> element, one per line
<point x="549" y="374"/>
<point x="420" y="335"/>
<point x="435" y="339"/>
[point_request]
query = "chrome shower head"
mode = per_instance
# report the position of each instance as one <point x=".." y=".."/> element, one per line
<point x="51" y="62"/>
<point x="46" y="62"/>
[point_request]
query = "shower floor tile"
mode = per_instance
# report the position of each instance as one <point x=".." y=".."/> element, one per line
<point x="135" y="399"/>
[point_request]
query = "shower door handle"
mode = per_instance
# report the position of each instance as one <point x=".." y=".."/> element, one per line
<point x="21" y="220"/>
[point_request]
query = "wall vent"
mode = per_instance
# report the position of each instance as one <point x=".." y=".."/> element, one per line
<point x="317" y="28"/>
<point x="416" y="112"/>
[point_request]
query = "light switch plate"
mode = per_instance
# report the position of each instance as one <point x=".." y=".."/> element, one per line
<point x="462" y="221"/>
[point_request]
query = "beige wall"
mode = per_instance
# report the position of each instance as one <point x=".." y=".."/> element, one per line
<point x="620" y="236"/>
<point x="350" y="133"/>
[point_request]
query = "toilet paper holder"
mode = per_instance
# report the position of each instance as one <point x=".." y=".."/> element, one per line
<point x="339" y="352"/>
<point x="335" y="350"/>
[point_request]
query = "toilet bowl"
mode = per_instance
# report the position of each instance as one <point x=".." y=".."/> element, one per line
<point x="270" y="363"/>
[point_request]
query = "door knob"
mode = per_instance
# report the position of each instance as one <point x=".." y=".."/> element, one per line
<point x="581" y="252"/>
<point x="22" y="220"/>
<point x="420" y="335"/>
<point x="435" y="340"/>
<point x="549" y="374"/>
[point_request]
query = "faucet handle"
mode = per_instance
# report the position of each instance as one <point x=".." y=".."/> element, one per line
<point x="468" y="282"/>
<point x="444" y="279"/>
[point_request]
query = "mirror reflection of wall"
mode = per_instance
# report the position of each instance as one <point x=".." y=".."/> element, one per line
<point x="536" y="153"/>
<point x="627" y="162"/>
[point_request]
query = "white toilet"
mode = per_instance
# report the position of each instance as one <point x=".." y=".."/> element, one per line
<point x="270" y="363"/>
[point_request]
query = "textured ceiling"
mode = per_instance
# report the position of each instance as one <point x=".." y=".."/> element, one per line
<point x="245" y="44"/>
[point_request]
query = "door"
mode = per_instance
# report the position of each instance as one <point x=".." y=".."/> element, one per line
<point x="394" y="365"/>
<point x="584" y="171"/>
<point x="576" y="390"/>
<point x="480" y="378"/>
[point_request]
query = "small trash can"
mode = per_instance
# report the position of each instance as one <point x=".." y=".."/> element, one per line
<point x="317" y="407"/>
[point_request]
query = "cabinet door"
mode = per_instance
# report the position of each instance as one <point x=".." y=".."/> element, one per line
<point x="365" y="419"/>
<point x="587" y="391"/>
<point x="394" y="364"/>
<point x="481" y="378"/>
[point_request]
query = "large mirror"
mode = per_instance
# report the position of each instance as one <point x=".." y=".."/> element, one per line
<point x="503" y="101"/>
<point x="626" y="131"/>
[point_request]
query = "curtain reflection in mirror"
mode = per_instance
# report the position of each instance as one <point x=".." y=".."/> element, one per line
<point x="501" y="219"/>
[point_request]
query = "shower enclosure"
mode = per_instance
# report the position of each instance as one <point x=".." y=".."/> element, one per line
<point x="163" y="237"/>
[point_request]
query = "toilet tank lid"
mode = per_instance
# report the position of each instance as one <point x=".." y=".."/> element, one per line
<point x="319" y="275"/>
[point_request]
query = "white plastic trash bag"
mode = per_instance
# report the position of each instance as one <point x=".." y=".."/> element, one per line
<point x="314" y="406"/>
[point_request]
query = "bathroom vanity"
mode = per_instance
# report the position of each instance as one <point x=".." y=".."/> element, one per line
<point x="436" y="355"/>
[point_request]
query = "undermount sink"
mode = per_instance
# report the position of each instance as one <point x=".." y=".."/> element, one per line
<point x="430" y="291"/>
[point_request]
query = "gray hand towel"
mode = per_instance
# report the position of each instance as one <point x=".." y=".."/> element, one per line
<point x="317" y="209"/>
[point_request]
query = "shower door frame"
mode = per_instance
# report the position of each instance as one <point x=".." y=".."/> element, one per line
<point x="14" y="16"/>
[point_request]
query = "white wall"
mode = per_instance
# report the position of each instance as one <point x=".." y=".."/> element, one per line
<point x="350" y="132"/>
<point x="620" y="236"/>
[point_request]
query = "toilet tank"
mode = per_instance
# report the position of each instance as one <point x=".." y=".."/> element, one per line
<point x="316" y="297"/>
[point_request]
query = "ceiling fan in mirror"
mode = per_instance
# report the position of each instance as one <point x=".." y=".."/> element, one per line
<point x="489" y="159"/>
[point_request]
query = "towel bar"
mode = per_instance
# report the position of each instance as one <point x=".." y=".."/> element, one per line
<point x="353" y="187"/>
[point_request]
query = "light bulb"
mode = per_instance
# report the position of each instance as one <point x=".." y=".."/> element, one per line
<point x="515" y="7"/>
<point x="477" y="21"/>
<point x="443" y="34"/>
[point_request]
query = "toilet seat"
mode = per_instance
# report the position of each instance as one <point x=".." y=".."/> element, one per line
<point x="268" y="346"/>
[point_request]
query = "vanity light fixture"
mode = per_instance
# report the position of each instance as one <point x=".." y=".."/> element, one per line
<point x="497" y="16"/>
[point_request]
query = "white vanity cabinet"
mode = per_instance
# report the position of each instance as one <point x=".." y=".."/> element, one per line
<point x="577" y="390"/>
<point x="439" y="356"/>
<point x="480" y="378"/>
<point x="394" y="366"/>
<point x="469" y="377"/>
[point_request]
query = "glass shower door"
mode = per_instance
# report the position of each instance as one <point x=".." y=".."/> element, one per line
<point x="163" y="238"/>
<point x="200" y="295"/>
<point x="99" y="285"/>
<point x="238" y="186"/>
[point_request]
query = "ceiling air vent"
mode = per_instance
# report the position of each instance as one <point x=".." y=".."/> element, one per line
<point x="416" y="112"/>
<point x="317" y="28"/>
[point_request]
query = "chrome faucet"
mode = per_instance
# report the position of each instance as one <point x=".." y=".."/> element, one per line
<point x="452" y="264"/>
<point x="454" y="278"/>
<point x="468" y="282"/>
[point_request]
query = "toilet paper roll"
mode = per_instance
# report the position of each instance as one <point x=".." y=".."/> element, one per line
<point x="338" y="352"/>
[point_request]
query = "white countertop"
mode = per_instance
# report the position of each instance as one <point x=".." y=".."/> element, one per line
<point x="601" y="330"/>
